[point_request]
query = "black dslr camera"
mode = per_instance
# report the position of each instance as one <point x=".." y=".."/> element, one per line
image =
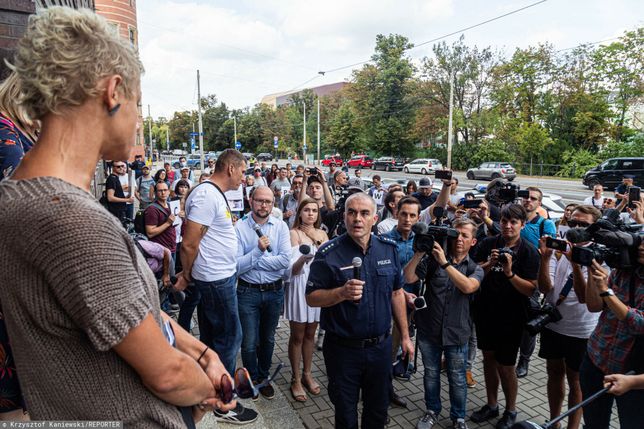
<point x="548" y="313"/>
<point x="503" y="254"/>
<point x="507" y="193"/>
<point x="426" y="235"/>
<point x="611" y="240"/>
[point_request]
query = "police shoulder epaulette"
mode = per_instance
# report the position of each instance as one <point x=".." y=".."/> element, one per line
<point x="386" y="240"/>
<point x="326" y="247"/>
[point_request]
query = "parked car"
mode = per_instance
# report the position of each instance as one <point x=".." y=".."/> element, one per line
<point x="388" y="163"/>
<point x="193" y="161"/>
<point x="248" y="155"/>
<point x="264" y="156"/>
<point x="423" y="166"/>
<point x="492" y="170"/>
<point x="332" y="160"/>
<point x="360" y="161"/>
<point x="610" y="172"/>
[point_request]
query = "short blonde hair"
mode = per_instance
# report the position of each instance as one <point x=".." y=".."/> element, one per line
<point x="64" y="54"/>
<point x="10" y="91"/>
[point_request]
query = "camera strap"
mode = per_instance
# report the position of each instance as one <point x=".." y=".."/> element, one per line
<point x="565" y="291"/>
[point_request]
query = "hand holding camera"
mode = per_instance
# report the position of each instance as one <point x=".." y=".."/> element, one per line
<point x="599" y="276"/>
<point x="439" y="254"/>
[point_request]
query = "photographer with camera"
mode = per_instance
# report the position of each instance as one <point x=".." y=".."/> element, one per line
<point x="511" y="266"/>
<point x="564" y="338"/>
<point x="616" y="345"/>
<point x="444" y="325"/>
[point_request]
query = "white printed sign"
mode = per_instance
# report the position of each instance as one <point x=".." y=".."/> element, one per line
<point x="378" y="195"/>
<point x="236" y="199"/>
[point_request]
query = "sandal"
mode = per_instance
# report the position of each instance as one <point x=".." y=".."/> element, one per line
<point x="313" y="387"/>
<point x="298" y="391"/>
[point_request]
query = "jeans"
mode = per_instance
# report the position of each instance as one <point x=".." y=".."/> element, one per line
<point x="219" y="326"/>
<point x="193" y="296"/>
<point x="471" y="350"/>
<point x="259" y="313"/>
<point x="129" y="211"/>
<point x="456" y="358"/>
<point x="528" y="343"/>
<point x="597" y="413"/>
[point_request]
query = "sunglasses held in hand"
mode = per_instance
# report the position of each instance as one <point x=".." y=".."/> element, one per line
<point x="243" y="386"/>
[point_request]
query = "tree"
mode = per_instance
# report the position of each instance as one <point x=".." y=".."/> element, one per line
<point x="343" y="136"/>
<point x="619" y="67"/>
<point x="381" y="96"/>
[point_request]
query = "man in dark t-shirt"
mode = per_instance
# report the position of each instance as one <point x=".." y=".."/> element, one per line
<point x="137" y="166"/>
<point x="425" y="195"/>
<point x="159" y="219"/>
<point x="116" y="200"/>
<point x="501" y="309"/>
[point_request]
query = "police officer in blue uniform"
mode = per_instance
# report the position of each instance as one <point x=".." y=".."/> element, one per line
<point x="356" y="315"/>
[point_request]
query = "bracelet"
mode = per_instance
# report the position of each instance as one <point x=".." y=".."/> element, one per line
<point x="203" y="353"/>
<point x="445" y="265"/>
<point x="510" y="277"/>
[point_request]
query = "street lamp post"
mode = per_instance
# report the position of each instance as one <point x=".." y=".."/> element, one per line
<point x="304" y="135"/>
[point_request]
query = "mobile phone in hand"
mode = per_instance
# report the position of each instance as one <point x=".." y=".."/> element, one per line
<point x="634" y="194"/>
<point x="556" y="244"/>
<point x="443" y="174"/>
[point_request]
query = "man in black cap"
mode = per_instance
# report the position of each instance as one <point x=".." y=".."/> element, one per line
<point x="425" y="194"/>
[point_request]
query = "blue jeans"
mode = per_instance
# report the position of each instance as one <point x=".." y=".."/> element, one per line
<point x="456" y="358"/>
<point x="259" y="314"/>
<point x="193" y="296"/>
<point x="219" y="326"/>
<point x="597" y="413"/>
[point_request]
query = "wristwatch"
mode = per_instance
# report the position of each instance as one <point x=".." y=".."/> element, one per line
<point x="446" y="264"/>
<point x="608" y="292"/>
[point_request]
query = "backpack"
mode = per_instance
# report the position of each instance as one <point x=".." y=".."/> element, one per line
<point x="139" y="219"/>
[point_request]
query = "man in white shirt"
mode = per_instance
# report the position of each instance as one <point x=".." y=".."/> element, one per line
<point x="563" y="343"/>
<point x="185" y="175"/>
<point x="597" y="200"/>
<point x="210" y="263"/>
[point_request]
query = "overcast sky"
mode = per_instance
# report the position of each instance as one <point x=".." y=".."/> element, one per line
<point x="247" y="49"/>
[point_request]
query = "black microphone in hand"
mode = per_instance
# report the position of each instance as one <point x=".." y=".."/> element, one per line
<point x="357" y="264"/>
<point x="305" y="249"/>
<point x="260" y="235"/>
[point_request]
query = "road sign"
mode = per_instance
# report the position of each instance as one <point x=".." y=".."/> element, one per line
<point x="237" y="145"/>
<point x="275" y="141"/>
<point x="193" y="134"/>
<point x="185" y="144"/>
<point x="304" y="147"/>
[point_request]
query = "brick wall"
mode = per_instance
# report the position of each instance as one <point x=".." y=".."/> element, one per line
<point x="13" y="21"/>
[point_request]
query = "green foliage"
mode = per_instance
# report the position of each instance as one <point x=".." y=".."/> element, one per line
<point x="633" y="147"/>
<point x="577" y="162"/>
<point x="490" y="150"/>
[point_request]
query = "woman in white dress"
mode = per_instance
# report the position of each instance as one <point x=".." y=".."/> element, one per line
<point x="303" y="320"/>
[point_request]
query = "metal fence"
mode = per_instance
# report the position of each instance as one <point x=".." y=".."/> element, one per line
<point x="535" y="169"/>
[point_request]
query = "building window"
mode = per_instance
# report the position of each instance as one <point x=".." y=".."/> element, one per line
<point x="115" y="27"/>
<point x="133" y="36"/>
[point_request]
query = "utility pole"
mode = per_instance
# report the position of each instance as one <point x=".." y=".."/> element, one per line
<point x="150" y="131"/>
<point x="167" y="138"/>
<point x="318" y="131"/>
<point x="451" y="108"/>
<point x="235" y="130"/>
<point x="304" y="135"/>
<point x="200" y="121"/>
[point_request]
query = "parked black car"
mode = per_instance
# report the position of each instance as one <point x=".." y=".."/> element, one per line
<point x="609" y="173"/>
<point x="388" y="163"/>
<point x="264" y="156"/>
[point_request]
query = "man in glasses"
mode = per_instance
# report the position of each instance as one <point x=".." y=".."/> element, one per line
<point x="263" y="253"/>
<point x="536" y="226"/>
<point x="563" y="343"/>
<point x="356" y="314"/>
<point x="117" y="201"/>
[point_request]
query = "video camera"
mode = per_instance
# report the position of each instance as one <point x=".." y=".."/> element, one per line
<point x="613" y="242"/>
<point x="426" y="235"/>
<point x="548" y="313"/>
<point x="505" y="193"/>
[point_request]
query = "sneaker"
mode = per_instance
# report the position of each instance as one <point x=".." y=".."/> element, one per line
<point x="459" y="424"/>
<point x="267" y="391"/>
<point x="427" y="421"/>
<point x="484" y="414"/>
<point x="507" y="421"/>
<point x="237" y="416"/>
<point x="469" y="379"/>
<point x="522" y="368"/>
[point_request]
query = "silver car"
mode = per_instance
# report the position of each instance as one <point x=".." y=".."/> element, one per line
<point x="492" y="170"/>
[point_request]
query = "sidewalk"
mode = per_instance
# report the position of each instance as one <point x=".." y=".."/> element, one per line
<point x="283" y="412"/>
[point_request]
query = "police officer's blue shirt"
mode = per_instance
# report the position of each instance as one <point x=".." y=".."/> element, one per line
<point x="531" y="230"/>
<point x="405" y="252"/>
<point x="255" y="266"/>
<point x="381" y="273"/>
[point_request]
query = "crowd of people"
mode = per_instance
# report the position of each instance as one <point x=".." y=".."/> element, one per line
<point x="370" y="269"/>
